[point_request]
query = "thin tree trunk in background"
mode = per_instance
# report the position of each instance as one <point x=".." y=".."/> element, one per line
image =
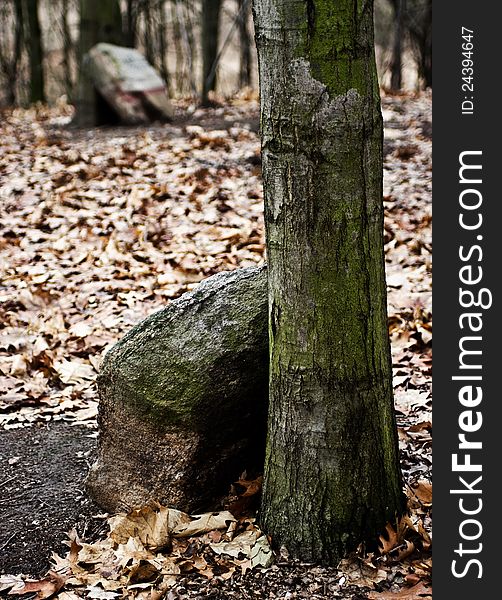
<point x="332" y="476"/>
<point x="189" y="27"/>
<point x="421" y="37"/>
<point x="36" y="55"/>
<point x="67" y="50"/>
<point x="162" y="35"/>
<point x="148" y="37"/>
<point x="131" y="23"/>
<point x="177" y="48"/>
<point x="244" y="7"/>
<point x="11" y="67"/>
<point x="209" y="42"/>
<point x="100" y="21"/>
<point x="186" y="45"/>
<point x="427" y="47"/>
<point x="396" y="68"/>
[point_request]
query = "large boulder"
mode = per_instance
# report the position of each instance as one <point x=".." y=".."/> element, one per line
<point x="128" y="83"/>
<point x="183" y="398"/>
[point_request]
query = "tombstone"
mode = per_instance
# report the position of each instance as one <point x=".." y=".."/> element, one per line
<point x="128" y="84"/>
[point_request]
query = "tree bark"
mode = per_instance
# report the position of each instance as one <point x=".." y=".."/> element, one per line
<point x="36" y="55"/>
<point x="9" y="62"/>
<point x="179" y="77"/>
<point x="190" y="12"/>
<point x="67" y="49"/>
<point x="99" y="22"/>
<point x="420" y="29"/>
<point x="244" y="44"/>
<point x="210" y="28"/>
<point x="131" y="23"/>
<point x="396" y="68"/>
<point x="148" y="35"/>
<point x="185" y="26"/>
<point x="332" y="473"/>
<point x="162" y="36"/>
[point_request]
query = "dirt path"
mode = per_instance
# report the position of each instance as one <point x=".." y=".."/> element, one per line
<point x="41" y="493"/>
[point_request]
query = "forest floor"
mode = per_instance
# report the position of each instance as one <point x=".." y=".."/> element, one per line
<point x="101" y="228"/>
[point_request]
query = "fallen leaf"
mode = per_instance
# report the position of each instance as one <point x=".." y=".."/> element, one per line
<point x="241" y="544"/>
<point x="359" y="572"/>
<point x="44" y="588"/>
<point x="149" y="524"/>
<point x="390" y="541"/>
<point x="204" y="523"/>
<point x="252" y="487"/>
<point x="98" y="593"/>
<point x="261" y="553"/>
<point x="423" y="492"/>
<point x="417" y="592"/>
<point x="10" y="581"/>
<point x="73" y="371"/>
<point x="81" y="329"/>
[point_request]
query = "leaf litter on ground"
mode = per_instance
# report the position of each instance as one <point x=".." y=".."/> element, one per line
<point x="100" y="230"/>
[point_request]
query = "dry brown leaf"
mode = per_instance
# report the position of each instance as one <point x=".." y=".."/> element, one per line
<point x="81" y="329"/>
<point x="10" y="581"/>
<point x="149" y="524"/>
<point x="423" y="492"/>
<point x="44" y="588"/>
<point x="204" y="523"/>
<point x="94" y="553"/>
<point x="359" y="572"/>
<point x="74" y="371"/>
<point x="388" y="542"/>
<point x="421" y="426"/>
<point x="252" y="487"/>
<point x="406" y="549"/>
<point x="241" y="544"/>
<point x="417" y="592"/>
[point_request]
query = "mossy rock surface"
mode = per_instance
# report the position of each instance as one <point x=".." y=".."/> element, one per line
<point x="183" y="398"/>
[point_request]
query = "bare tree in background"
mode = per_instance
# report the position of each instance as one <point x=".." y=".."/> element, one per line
<point x="99" y="22"/>
<point x="209" y="42"/>
<point x="162" y="42"/>
<point x="419" y="24"/>
<point x="35" y="52"/>
<point x="11" y="50"/>
<point x="412" y="28"/>
<point x="68" y="48"/>
<point x="244" y="7"/>
<point x="148" y="30"/>
<point x="131" y="23"/>
<point x="396" y="67"/>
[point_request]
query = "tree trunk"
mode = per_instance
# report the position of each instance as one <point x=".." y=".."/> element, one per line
<point x="420" y="28"/>
<point x="210" y="28"/>
<point x="396" y="67"/>
<point x="131" y="23"/>
<point x="177" y="46"/>
<point x="190" y="9"/>
<point x="9" y="65"/>
<point x="332" y="473"/>
<point x="162" y="37"/>
<point x="244" y="44"/>
<point x="67" y="50"/>
<point x="185" y="24"/>
<point x="148" y="37"/>
<point x="37" y="93"/>
<point x="99" y="22"/>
